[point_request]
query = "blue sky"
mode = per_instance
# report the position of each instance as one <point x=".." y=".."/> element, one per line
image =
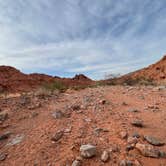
<point x="94" y="37"/>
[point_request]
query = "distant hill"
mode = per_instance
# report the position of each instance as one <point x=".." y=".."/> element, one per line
<point x="13" y="80"/>
<point x="155" y="73"/>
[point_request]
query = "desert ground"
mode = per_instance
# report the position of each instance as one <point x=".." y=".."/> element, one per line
<point x="121" y="125"/>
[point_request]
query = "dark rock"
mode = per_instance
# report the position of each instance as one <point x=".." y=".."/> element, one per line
<point x="57" y="136"/>
<point x="4" y="136"/>
<point x="137" y="123"/>
<point x="129" y="147"/>
<point x="136" y="135"/>
<point x="75" y="107"/>
<point x="153" y="141"/>
<point x="133" y="110"/>
<point x="102" y="102"/>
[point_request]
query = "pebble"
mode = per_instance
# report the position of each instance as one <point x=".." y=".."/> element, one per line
<point x="3" y="156"/>
<point x="133" y="110"/>
<point x="137" y="123"/>
<point x="88" y="151"/>
<point x="105" y="156"/>
<point x="76" y="163"/>
<point x="4" y="136"/>
<point x="123" y="134"/>
<point x="3" y="116"/>
<point x="136" y="135"/>
<point x="129" y="163"/>
<point x="58" y="114"/>
<point x="132" y="140"/>
<point x="57" y="136"/>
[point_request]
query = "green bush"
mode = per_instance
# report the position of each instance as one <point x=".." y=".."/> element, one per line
<point x="139" y="81"/>
<point x="56" y="85"/>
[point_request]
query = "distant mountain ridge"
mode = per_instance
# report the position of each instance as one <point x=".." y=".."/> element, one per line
<point x="13" y="80"/>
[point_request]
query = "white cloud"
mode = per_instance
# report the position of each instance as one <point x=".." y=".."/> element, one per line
<point x="94" y="37"/>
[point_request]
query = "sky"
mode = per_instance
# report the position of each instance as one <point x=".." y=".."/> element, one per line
<point x="93" y="37"/>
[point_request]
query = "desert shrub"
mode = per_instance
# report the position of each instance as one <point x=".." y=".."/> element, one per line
<point x="56" y="85"/>
<point x="112" y="82"/>
<point x="139" y="81"/>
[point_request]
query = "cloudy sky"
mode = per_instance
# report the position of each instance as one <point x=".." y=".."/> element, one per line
<point x="94" y="37"/>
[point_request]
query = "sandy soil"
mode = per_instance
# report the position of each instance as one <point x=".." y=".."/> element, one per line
<point x="31" y="125"/>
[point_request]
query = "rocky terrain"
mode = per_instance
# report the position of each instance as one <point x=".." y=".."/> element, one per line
<point x="53" y="121"/>
<point x="106" y="125"/>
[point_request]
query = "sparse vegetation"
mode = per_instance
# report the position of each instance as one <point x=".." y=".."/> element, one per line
<point x="139" y="81"/>
<point x="56" y="85"/>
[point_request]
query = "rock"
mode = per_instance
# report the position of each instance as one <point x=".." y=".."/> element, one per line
<point x="132" y="140"/>
<point x="115" y="148"/>
<point x="16" y="140"/>
<point x="130" y="147"/>
<point x="34" y="114"/>
<point x="3" y="116"/>
<point x="58" y="114"/>
<point x="102" y="102"/>
<point x="137" y="123"/>
<point x="126" y="163"/>
<point x="57" y="136"/>
<point x="4" y="136"/>
<point x="88" y="151"/>
<point x="129" y="163"/>
<point x="123" y="134"/>
<point x="3" y="156"/>
<point x="105" y="156"/>
<point x="153" y="141"/>
<point x="76" y="163"/>
<point x="75" y="107"/>
<point x="148" y="150"/>
<point x="97" y="131"/>
<point x="34" y="106"/>
<point x="68" y="130"/>
<point x="124" y="103"/>
<point x="136" y="135"/>
<point x="79" y="158"/>
<point x="88" y="120"/>
<point x="162" y="154"/>
<point x="133" y="110"/>
<point x="161" y="87"/>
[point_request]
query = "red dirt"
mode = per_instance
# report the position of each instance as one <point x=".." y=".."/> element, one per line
<point x="34" y="121"/>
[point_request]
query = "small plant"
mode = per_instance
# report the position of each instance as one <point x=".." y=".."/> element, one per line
<point x="139" y="81"/>
<point x="57" y="85"/>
